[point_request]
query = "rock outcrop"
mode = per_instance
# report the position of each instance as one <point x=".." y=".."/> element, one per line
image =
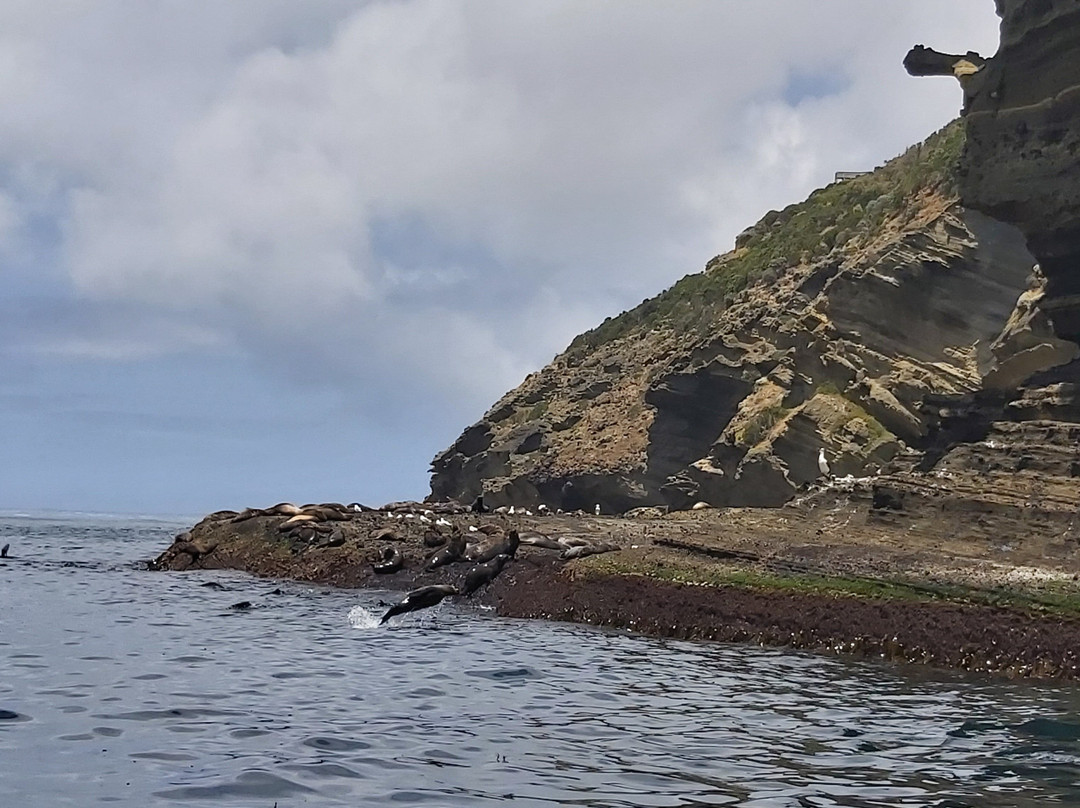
<point x="1022" y="158"/>
<point x="889" y="319"/>
<point x="1020" y="165"/>
<point x="883" y="320"/>
<point x="828" y="325"/>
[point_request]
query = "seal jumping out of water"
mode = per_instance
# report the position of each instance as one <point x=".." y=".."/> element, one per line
<point x="423" y="598"/>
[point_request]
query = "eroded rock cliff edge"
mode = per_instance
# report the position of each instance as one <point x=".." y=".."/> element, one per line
<point x="886" y="319"/>
<point x="827" y="326"/>
<point x="1022" y="159"/>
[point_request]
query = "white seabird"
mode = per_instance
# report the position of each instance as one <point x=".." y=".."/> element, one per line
<point x="822" y="463"/>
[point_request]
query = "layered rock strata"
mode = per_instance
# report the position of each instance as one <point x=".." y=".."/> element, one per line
<point x="1022" y="159"/>
<point x="827" y="326"/>
<point x="1021" y="165"/>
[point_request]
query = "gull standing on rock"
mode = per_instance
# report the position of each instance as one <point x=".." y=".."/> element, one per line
<point x="822" y="463"/>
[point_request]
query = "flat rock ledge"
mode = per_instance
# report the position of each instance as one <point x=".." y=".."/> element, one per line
<point x="952" y="571"/>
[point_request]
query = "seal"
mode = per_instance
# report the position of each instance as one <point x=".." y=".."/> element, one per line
<point x="299" y="518"/>
<point x="421" y="598"/>
<point x="328" y="513"/>
<point x="582" y="550"/>
<point x="433" y="538"/>
<point x="283" y="509"/>
<point x="392" y="561"/>
<point x="483" y="573"/>
<point x="478" y="505"/>
<point x="453" y="551"/>
<point x="485" y="551"/>
<point x="535" y="539"/>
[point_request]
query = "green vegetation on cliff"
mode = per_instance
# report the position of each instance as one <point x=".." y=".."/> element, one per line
<point x="842" y="216"/>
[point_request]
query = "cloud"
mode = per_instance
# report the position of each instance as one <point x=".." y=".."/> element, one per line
<point x="432" y="196"/>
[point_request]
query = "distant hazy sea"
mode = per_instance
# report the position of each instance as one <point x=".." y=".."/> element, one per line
<point x="125" y="687"/>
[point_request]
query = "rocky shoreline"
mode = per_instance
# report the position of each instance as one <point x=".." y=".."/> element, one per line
<point x="889" y="320"/>
<point x="978" y="574"/>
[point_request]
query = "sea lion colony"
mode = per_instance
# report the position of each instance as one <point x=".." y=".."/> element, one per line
<point x="418" y="538"/>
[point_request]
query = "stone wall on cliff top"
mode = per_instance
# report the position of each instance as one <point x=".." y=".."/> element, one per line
<point x="826" y="326"/>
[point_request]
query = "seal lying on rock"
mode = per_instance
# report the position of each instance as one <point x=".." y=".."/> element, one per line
<point x="540" y="540"/>
<point x="433" y="538"/>
<point x="450" y="553"/>
<point x="582" y="550"/>
<point x="333" y="512"/>
<point x="485" y="551"/>
<point x="392" y="561"/>
<point x="281" y="509"/>
<point x="298" y="519"/>
<point x="422" y="598"/>
<point x="483" y="573"/>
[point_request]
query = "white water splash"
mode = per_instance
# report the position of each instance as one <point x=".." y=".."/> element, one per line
<point x="359" y="617"/>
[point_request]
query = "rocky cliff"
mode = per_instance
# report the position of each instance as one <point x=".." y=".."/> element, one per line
<point x="1021" y="165"/>
<point x="1022" y="160"/>
<point x="828" y="326"/>
<point x="896" y="318"/>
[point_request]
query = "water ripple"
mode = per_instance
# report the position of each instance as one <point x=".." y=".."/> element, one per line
<point x="141" y="688"/>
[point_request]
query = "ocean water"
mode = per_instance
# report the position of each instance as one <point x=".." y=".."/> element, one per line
<point x="120" y="686"/>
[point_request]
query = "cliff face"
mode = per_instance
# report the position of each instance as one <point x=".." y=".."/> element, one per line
<point x="1022" y="160"/>
<point x="827" y="326"/>
<point x="890" y="318"/>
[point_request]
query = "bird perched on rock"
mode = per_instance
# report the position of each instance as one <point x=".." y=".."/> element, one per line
<point x="822" y="463"/>
<point x="422" y="598"/>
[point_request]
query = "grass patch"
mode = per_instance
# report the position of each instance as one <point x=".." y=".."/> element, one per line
<point x="876" y="433"/>
<point x="840" y="215"/>
<point x="761" y="424"/>
<point x="1063" y="602"/>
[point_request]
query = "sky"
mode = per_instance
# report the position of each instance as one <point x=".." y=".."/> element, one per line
<point x="265" y="250"/>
